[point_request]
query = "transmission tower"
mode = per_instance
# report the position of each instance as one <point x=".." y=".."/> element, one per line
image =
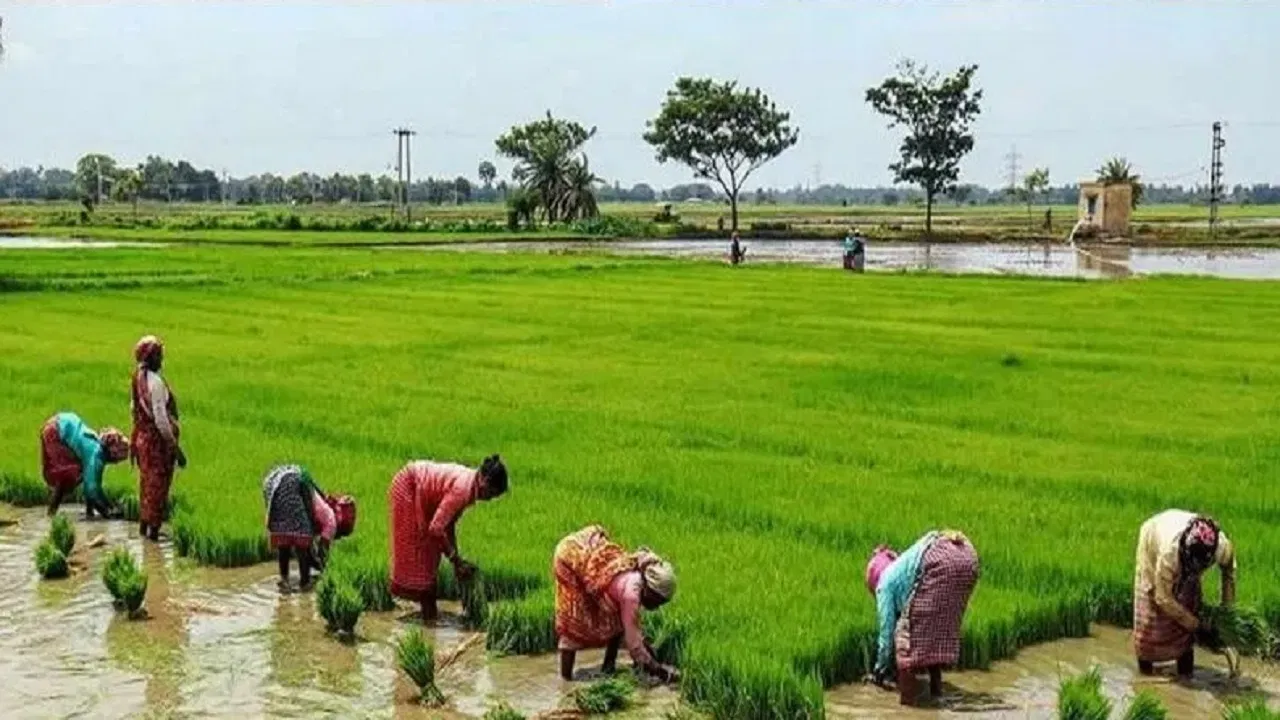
<point x="1216" y="191"/>
<point x="1012" y="158"/>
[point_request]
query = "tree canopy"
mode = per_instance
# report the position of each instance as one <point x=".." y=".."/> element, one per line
<point x="550" y="163"/>
<point x="1118" y="171"/>
<point x="938" y="113"/>
<point x="720" y="132"/>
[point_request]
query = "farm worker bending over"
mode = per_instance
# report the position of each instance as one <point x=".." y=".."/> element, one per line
<point x="736" y="253"/>
<point x="154" y="445"/>
<point x="921" y="597"/>
<point x="600" y="589"/>
<point x="426" y="500"/>
<point x="1174" y="549"/>
<point x="71" y="453"/>
<point x="300" y="517"/>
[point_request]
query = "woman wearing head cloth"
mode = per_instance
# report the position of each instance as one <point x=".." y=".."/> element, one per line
<point x="426" y="500"/>
<point x="600" y="590"/>
<point x="301" y="520"/>
<point x="154" y="445"/>
<point x="72" y="454"/>
<point x="921" y="597"/>
<point x="1175" y="548"/>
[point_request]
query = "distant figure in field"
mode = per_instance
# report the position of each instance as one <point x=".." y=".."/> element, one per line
<point x="600" y="590"/>
<point x="154" y="440"/>
<point x="921" y="598"/>
<point x="302" y="520"/>
<point x="426" y="500"/>
<point x="1175" y="548"/>
<point x="855" y="251"/>
<point x="72" y="454"/>
<point x="736" y="252"/>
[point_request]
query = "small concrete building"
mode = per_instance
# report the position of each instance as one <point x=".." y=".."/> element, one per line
<point x="1104" y="209"/>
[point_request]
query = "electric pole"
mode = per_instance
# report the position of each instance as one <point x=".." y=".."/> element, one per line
<point x="1012" y="158"/>
<point x="1215" y="177"/>
<point x="404" y="170"/>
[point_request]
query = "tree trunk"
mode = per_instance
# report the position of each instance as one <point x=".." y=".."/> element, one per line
<point x="928" y="213"/>
<point x="733" y="210"/>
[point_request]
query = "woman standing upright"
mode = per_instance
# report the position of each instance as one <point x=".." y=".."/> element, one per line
<point x="154" y="445"/>
<point x="426" y="499"/>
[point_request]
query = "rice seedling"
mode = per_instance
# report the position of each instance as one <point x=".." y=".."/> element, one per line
<point x="416" y="657"/>
<point x="339" y="603"/>
<point x="1146" y="706"/>
<point x="475" y="602"/>
<point x="1244" y="629"/>
<point x="870" y="414"/>
<point x="605" y="696"/>
<point x="62" y="534"/>
<point x="1081" y="698"/>
<point x="126" y="582"/>
<point x="502" y="711"/>
<point x="51" y="563"/>
<point x="1255" y="709"/>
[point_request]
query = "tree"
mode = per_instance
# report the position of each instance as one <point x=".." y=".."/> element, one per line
<point x="578" y="197"/>
<point x="487" y="173"/>
<point x="94" y="174"/>
<point x="720" y="132"/>
<point x="128" y="186"/>
<point x="1118" y="171"/>
<point x="1035" y="183"/>
<point x="937" y="113"/>
<point x="548" y="155"/>
<point x="461" y="190"/>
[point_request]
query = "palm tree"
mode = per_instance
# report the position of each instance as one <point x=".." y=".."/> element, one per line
<point x="577" y="199"/>
<point x="1118" y="171"/>
<point x="487" y="173"/>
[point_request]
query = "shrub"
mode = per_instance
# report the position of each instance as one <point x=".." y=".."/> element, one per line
<point x="62" y="534"/>
<point x="340" y="603"/>
<point x="50" y="561"/>
<point x="417" y="658"/>
<point x="1081" y="698"/>
<point x="605" y="696"/>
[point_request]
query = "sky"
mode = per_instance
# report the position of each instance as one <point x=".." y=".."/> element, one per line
<point x="291" y="86"/>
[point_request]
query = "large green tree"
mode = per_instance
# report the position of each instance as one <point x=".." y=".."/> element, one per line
<point x="95" y="173"/>
<point x="128" y="187"/>
<point x="1118" y="171"/>
<point x="937" y="113"/>
<point x="721" y="132"/>
<point x="488" y="173"/>
<point x="548" y="153"/>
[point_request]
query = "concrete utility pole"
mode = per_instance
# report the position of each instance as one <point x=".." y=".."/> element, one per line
<point x="1216" y="191"/>
<point x="404" y="170"/>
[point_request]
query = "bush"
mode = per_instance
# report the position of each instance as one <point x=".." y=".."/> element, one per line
<point x="1081" y="698"/>
<point x="605" y="696"/>
<point x="339" y="602"/>
<point x="50" y="561"/>
<point x="417" y="658"/>
<point x="62" y="534"/>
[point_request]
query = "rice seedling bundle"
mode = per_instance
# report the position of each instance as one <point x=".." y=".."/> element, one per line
<point x="62" y="534"/>
<point x="339" y="603"/>
<point x="416" y="657"/>
<point x="1255" y="709"/>
<point x="474" y="601"/>
<point x="503" y="711"/>
<point x="605" y="696"/>
<point x="871" y="412"/>
<point x="1081" y="698"/>
<point x="50" y="562"/>
<point x="1242" y="628"/>
<point x="126" y="582"/>
<point x="1146" y="706"/>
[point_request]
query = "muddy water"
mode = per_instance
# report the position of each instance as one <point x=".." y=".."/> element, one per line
<point x="37" y="243"/>
<point x="1027" y="686"/>
<point x="225" y="643"/>
<point x="1047" y="260"/>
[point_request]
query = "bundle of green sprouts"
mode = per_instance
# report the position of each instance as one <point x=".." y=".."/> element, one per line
<point x="1146" y="706"/>
<point x="1244" y="629"/>
<point x="1081" y="698"/>
<point x="339" y="603"/>
<point x="62" y="534"/>
<point x="417" y="658"/>
<point x="124" y="580"/>
<point x="605" y="696"/>
<point x="502" y="711"/>
<point x="1252" y="710"/>
<point x="474" y="601"/>
<point x="50" y="561"/>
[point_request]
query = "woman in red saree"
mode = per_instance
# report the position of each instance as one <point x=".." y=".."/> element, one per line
<point x="154" y="442"/>
<point x="426" y="500"/>
<point x="600" y="590"/>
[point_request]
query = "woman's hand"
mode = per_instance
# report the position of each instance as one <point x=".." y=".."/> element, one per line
<point x="463" y="570"/>
<point x="667" y="674"/>
<point x="182" y="458"/>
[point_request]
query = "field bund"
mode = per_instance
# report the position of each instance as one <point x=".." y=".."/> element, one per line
<point x="763" y="427"/>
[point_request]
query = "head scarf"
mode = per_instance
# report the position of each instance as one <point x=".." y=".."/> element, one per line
<point x="1200" y="542"/>
<point x="882" y="558"/>
<point x="114" y="444"/>
<point x="659" y="577"/>
<point x="147" y="349"/>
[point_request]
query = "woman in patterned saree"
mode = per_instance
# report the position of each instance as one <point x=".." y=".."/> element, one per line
<point x="154" y="441"/>
<point x="600" y="590"/>
<point x="302" y="520"/>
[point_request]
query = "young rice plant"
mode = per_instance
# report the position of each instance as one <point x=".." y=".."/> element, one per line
<point x="417" y="659"/>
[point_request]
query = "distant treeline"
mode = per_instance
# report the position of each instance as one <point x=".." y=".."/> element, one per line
<point x="164" y="180"/>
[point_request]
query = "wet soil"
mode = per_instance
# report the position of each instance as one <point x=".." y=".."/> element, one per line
<point x="220" y="642"/>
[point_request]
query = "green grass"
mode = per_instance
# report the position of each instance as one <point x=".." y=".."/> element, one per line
<point x="762" y="427"/>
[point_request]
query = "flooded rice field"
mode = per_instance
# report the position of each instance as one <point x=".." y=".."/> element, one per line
<point x="227" y="643"/>
<point x="41" y="243"/>
<point x="1047" y="260"/>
